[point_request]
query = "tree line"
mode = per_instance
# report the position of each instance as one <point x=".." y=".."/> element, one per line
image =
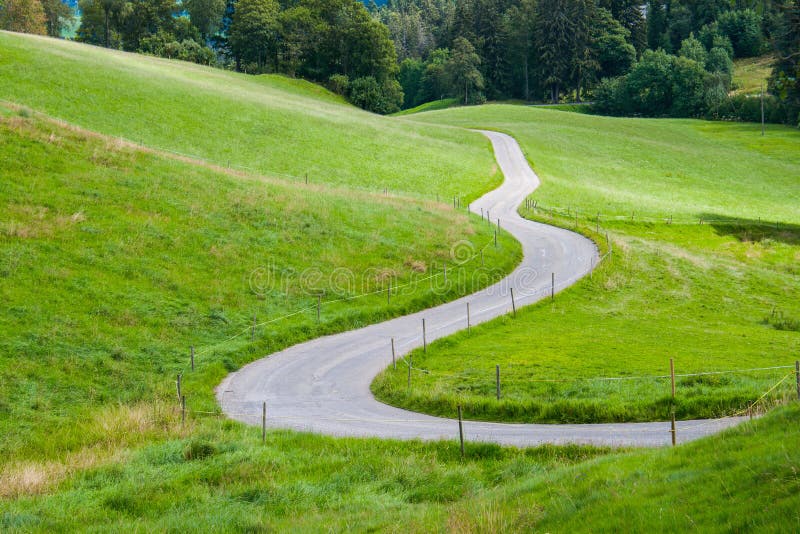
<point x="662" y="57"/>
<point x="658" y="58"/>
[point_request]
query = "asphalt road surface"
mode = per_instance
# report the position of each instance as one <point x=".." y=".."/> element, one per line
<point x="322" y="385"/>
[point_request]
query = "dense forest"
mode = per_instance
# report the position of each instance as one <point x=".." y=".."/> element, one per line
<point x="658" y="58"/>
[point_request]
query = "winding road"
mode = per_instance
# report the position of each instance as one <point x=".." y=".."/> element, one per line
<point x="323" y="385"/>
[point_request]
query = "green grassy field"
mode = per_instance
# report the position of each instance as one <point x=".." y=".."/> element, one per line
<point x="115" y="260"/>
<point x="429" y="106"/>
<point x="271" y="124"/>
<point x="222" y="479"/>
<point x="715" y="297"/>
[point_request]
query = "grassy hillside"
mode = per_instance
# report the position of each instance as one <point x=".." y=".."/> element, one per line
<point x="750" y="74"/>
<point x="115" y="260"/>
<point x="224" y="480"/>
<point x="429" y="106"/>
<point x="715" y="297"/>
<point x="271" y="124"/>
<point x="680" y="167"/>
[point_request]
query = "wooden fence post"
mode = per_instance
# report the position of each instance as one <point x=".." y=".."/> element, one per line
<point x="461" y="431"/>
<point x="672" y="377"/>
<point x="513" y="305"/>
<point x="264" y="422"/>
<point x="673" y="431"/>
<point x="394" y="360"/>
<point x="424" y="338"/>
<point x="797" y="376"/>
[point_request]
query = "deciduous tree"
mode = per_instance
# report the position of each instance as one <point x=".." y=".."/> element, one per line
<point x="26" y="16"/>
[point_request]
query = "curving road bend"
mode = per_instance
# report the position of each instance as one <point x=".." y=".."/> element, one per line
<point x="323" y="385"/>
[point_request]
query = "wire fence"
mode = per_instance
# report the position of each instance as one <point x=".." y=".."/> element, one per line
<point x="331" y="420"/>
<point x="597" y="218"/>
<point x="389" y="290"/>
<point x="610" y="378"/>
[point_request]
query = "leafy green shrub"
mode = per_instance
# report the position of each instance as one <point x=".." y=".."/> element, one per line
<point x="748" y="108"/>
<point x="659" y="84"/>
<point x="718" y="60"/>
<point x="367" y="93"/>
<point x="163" y="44"/>
<point x="339" y="84"/>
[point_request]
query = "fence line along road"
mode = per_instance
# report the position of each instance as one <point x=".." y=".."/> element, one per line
<point x="322" y="385"/>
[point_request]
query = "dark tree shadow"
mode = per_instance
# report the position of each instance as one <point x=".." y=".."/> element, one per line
<point x="753" y="230"/>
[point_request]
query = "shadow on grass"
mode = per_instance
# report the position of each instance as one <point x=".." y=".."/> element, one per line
<point x="754" y="230"/>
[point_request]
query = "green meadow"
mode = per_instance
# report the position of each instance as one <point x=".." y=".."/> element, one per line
<point x="116" y="260"/>
<point x="718" y="296"/>
<point x="116" y="257"/>
<point x="268" y="124"/>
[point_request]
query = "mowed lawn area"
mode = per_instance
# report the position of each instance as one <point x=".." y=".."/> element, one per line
<point x="717" y="296"/>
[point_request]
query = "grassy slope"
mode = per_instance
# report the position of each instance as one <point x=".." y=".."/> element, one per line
<point x="223" y="480"/>
<point x="114" y="261"/>
<point x="268" y="123"/>
<point x="703" y="294"/>
<point x="750" y="73"/>
<point x="429" y="106"/>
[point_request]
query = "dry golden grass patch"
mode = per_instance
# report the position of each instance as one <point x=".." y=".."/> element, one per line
<point x="108" y="434"/>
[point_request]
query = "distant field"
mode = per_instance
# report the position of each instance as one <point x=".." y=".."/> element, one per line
<point x="717" y="296"/>
<point x="114" y="261"/>
<point x="651" y="167"/>
<point x="271" y="124"/>
<point x="750" y="74"/>
<point x="429" y="106"/>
